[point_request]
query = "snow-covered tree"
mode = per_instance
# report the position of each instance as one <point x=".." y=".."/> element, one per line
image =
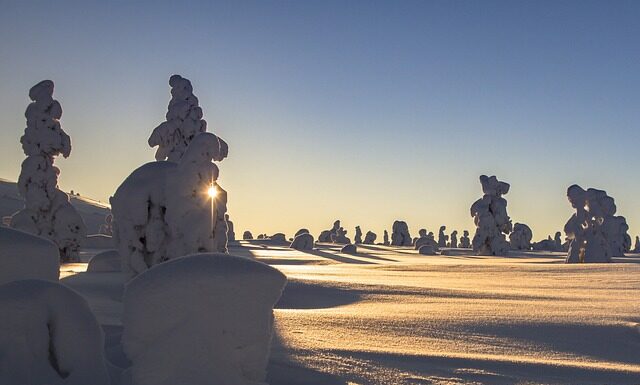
<point x="47" y="210"/>
<point x="171" y="208"/>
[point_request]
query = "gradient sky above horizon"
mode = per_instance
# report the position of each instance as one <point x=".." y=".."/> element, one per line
<point x="362" y="111"/>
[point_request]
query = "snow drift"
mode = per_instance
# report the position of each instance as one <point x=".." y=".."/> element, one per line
<point x="26" y="256"/>
<point x="212" y="313"/>
<point x="49" y="336"/>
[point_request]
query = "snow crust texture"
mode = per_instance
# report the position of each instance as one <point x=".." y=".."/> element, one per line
<point x="49" y="336"/>
<point x="211" y="312"/>
<point x="490" y="217"/>
<point x="47" y="210"/>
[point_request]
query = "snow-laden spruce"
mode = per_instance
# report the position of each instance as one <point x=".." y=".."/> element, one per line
<point x="47" y="210"/>
<point x="490" y="217"/>
<point x="26" y="256"/>
<point x="200" y="320"/>
<point x="594" y="232"/>
<point x="183" y="122"/>
<point x="49" y="336"/>
<point x="165" y="210"/>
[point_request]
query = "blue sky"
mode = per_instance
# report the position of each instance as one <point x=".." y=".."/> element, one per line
<point x="359" y="110"/>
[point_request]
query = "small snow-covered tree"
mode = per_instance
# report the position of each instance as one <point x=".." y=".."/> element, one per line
<point x="47" y="210"/>
<point x="172" y="208"/>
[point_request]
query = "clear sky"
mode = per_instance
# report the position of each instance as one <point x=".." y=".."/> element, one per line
<point x="364" y="111"/>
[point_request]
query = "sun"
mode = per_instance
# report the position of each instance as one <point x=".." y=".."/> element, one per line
<point x="212" y="191"/>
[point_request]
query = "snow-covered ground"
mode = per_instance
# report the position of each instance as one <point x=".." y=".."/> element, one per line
<point x="390" y="316"/>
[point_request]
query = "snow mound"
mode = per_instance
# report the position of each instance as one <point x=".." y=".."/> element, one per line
<point x="427" y="250"/>
<point x="50" y="336"/>
<point x="349" y="249"/>
<point x="98" y="241"/>
<point x="26" y="256"/>
<point x="303" y="241"/>
<point x="106" y="262"/>
<point x="212" y="313"/>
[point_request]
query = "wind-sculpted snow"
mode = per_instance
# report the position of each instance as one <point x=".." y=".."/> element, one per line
<point x="163" y="209"/>
<point x="388" y="315"/>
<point x="490" y="217"/>
<point x="47" y="210"/>
<point x="26" y="256"/>
<point x="49" y="336"/>
<point x="595" y="233"/>
<point x="200" y="320"/>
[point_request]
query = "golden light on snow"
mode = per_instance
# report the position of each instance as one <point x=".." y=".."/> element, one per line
<point x="212" y="191"/>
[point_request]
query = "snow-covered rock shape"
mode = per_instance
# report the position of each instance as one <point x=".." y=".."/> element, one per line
<point x="106" y="262"/>
<point x="520" y="237"/>
<point x="490" y="217"/>
<point x="165" y="210"/>
<point x="49" y="336"/>
<point x="400" y="234"/>
<point x="47" y="210"/>
<point x="358" y="236"/>
<point x="636" y="248"/>
<point x="465" y="242"/>
<point x="247" y="236"/>
<point x="26" y="256"/>
<point x="302" y="242"/>
<point x="212" y="313"/>
<point x="454" y="239"/>
<point x="231" y="234"/>
<point x="326" y="235"/>
<point x="370" y="238"/>
<point x="442" y="237"/>
<point x="595" y="233"/>
<point x="349" y="249"/>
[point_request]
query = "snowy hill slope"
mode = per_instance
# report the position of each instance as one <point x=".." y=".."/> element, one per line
<point x="92" y="211"/>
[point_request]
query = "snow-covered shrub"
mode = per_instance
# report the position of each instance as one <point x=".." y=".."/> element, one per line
<point x="49" y="336"/>
<point x="520" y="237"/>
<point x="370" y="238"/>
<point x="490" y="217"/>
<point x="26" y="256"/>
<point x="47" y="210"/>
<point x="200" y="320"/>
<point x="357" y="238"/>
<point x="594" y="232"/>
<point x="106" y="262"/>
<point x="303" y="242"/>
<point x="247" y="235"/>
<point x="427" y="250"/>
<point x="326" y="235"/>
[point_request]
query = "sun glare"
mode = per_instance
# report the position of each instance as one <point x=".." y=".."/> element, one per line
<point x="212" y="191"/>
